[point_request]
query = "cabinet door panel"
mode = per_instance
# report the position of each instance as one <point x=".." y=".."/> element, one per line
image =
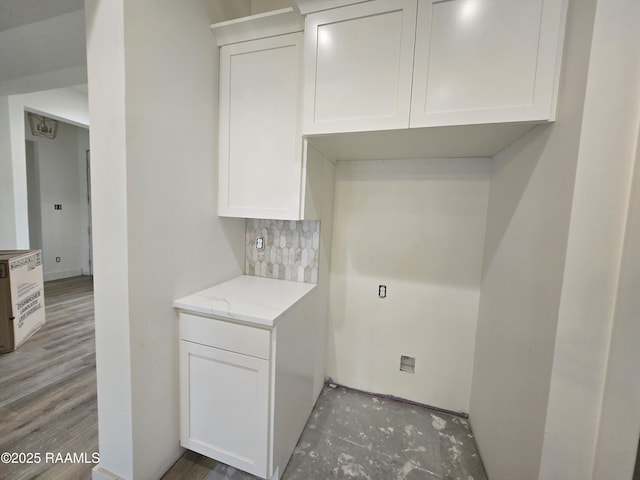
<point x="484" y="61"/>
<point x="358" y="69"/>
<point x="260" y="144"/>
<point x="224" y="406"/>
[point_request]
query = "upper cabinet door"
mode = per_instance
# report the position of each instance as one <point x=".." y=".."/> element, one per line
<point x="260" y="146"/>
<point x="486" y="61"/>
<point x="358" y="67"/>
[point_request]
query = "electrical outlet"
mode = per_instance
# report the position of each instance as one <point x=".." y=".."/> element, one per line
<point x="260" y="243"/>
<point x="57" y="259"/>
<point x="57" y="206"/>
<point x="407" y="364"/>
<point x="382" y="291"/>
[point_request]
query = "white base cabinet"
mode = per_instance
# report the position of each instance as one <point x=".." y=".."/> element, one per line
<point x="247" y="390"/>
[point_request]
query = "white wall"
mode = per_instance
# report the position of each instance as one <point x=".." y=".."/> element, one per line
<point x="222" y="10"/>
<point x="60" y="181"/>
<point x="319" y="203"/>
<point x="67" y="104"/>
<point x="105" y="69"/>
<point x="16" y="194"/>
<point x="7" y="200"/>
<point x="33" y="188"/>
<point x="606" y="159"/>
<point x="85" y="220"/>
<point x="157" y="235"/>
<point x="529" y="210"/>
<point x="261" y="6"/>
<point x="620" y="417"/>
<point x="416" y="226"/>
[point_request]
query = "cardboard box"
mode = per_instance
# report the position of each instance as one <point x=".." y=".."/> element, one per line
<point x="21" y="297"/>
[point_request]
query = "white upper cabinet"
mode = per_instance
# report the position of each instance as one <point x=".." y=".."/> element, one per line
<point x="394" y="64"/>
<point x="486" y="61"/>
<point x="359" y="62"/>
<point x="260" y="144"/>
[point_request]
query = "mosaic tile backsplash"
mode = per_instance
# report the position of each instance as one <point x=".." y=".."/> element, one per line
<point x="291" y="249"/>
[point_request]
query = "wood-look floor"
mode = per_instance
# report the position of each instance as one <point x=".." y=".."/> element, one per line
<point x="190" y="466"/>
<point x="48" y="388"/>
<point x="48" y="393"/>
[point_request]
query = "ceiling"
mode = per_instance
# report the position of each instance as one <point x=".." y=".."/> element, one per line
<point x="42" y="42"/>
<point x="14" y="13"/>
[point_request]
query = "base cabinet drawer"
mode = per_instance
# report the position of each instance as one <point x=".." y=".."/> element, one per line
<point x="224" y="400"/>
<point x="252" y="341"/>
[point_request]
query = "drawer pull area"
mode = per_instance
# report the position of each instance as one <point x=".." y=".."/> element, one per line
<point x="226" y="335"/>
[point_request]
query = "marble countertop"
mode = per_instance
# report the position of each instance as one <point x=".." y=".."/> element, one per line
<point x="261" y="301"/>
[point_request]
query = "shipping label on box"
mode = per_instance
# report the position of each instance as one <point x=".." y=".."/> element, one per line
<point x="27" y="295"/>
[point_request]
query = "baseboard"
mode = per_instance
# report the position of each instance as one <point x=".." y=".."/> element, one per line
<point x="171" y="463"/>
<point x="48" y="276"/>
<point x="99" y="473"/>
<point x="332" y="384"/>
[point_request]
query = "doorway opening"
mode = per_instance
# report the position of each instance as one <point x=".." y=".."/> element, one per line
<point x="59" y="200"/>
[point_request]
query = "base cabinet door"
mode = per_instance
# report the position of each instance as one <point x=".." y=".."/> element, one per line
<point x="224" y="398"/>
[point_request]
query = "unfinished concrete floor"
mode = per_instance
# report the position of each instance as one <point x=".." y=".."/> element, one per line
<point x="359" y="436"/>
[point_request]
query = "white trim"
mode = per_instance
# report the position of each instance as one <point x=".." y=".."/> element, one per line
<point x="99" y="473"/>
<point x="269" y="24"/>
<point x="75" y="272"/>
